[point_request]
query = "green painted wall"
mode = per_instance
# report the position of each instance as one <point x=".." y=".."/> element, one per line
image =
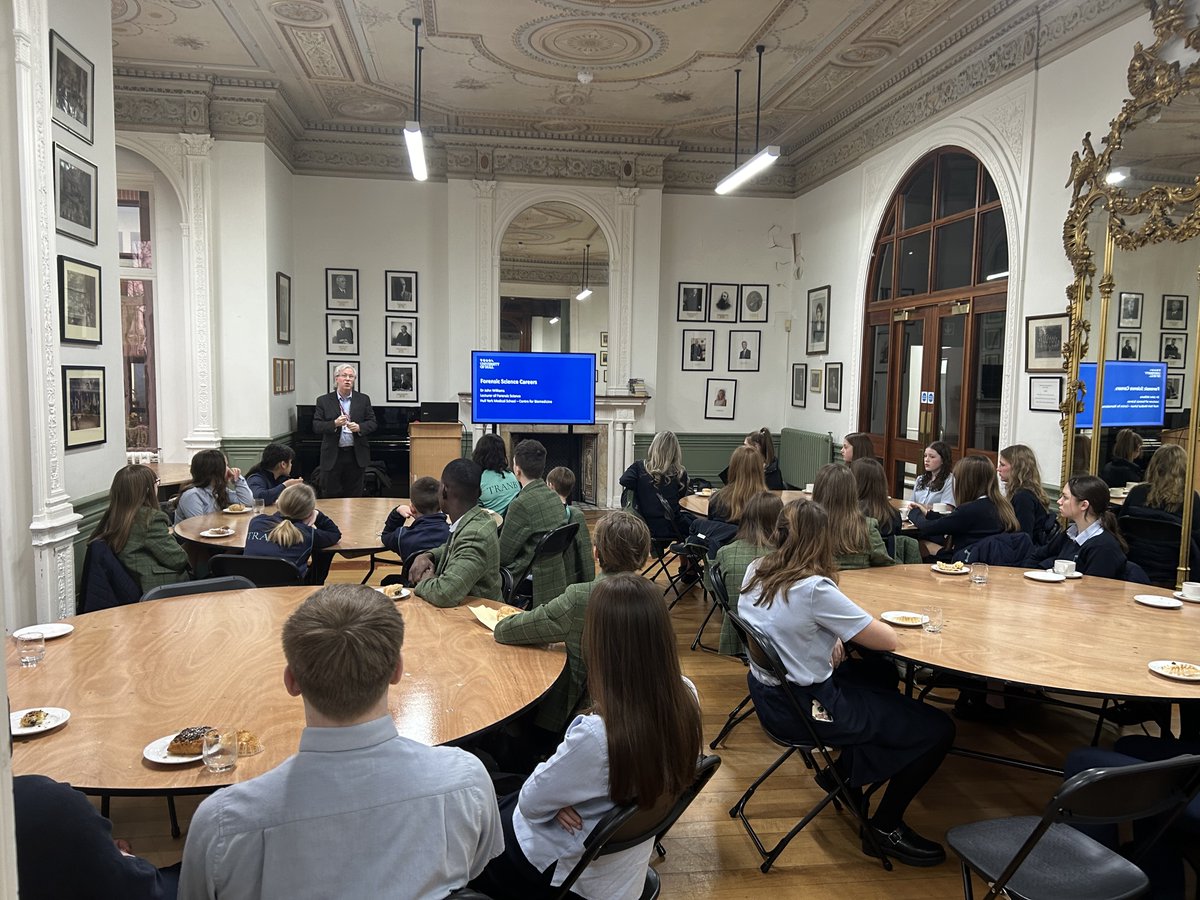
<point x="704" y="455"/>
<point x="243" y="453"/>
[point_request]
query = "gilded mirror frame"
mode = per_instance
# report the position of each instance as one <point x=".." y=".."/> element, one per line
<point x="1163" y="212"/>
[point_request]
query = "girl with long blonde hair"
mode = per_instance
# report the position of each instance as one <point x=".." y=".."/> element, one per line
<point x="656" y="484"/>
<point x="745" y="481"/>
<point x="294" y="531"/>
<point x="1018" y="470"/>
<point x="854" y="539"/>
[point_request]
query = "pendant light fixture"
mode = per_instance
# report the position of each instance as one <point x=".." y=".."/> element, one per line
<point x="761" y="159"/>
<point x="586" y="291"/>
<point x="412" y="129"/>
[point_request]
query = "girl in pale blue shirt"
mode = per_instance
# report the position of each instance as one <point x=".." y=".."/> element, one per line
<point x="214" y="486"/>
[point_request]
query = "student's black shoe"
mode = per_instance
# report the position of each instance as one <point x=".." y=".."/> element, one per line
<point x="906" y="846"/>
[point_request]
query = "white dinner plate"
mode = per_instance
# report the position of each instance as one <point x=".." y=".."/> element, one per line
<point x="965" y="570"/>
<point x="156" y="752"/>
<point x="55" y="716"/>
<point x="53" y="630"/>
<point x="1182" y="596"/>
<point x="404" y="594"/>
<point x="217" y="533"/>
<point x="1168" y="669"/>
<point x="1043" y="575"/>
<point x="903" y="618"/>
<point x="1158" y="601"/>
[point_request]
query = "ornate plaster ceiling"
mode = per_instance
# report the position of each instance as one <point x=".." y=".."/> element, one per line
<point x="557" y="231"/>
<point x="662" y="71"/>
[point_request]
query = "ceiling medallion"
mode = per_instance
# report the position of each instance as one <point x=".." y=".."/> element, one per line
<point x="371" y="109"/>
<point x="594" y="43"/>
<point x="298" y="11"/>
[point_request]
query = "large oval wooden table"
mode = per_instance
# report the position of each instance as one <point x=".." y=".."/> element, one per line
<point x="135" y="673"/>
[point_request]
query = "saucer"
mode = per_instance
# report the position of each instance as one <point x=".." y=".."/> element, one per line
<point x="1043" y="575"/>
<point x="1185" y="598"/>
<point x="1158" y="601"/>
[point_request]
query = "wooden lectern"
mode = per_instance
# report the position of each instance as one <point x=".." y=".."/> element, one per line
<point x="431" y="445"/>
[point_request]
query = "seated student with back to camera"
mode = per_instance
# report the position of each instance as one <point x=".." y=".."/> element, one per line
<point x="1093" y="539"/>
<point x="137" y="531"/>
<point x="272" y="473"/>
<point x="295" y="531"/>
<point x="856" y="541"/>
<point x="791" y="596"/>
<point x="429" y="527"/>
<point x="580" y="564"/>
<point x="498" y="485"/>
<point x="533" y="512"/>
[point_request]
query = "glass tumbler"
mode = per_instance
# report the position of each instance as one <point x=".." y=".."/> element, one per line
<point x="979" y="573"/>
<point x="31" y="648"/>
<point x="219" y="749"/>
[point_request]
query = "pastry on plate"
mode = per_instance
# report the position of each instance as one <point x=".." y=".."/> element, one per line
<point x="34" y="718"/>
<point x="393" y="591"/>
<point x="237" y="507"/>
<point x="189" y="741"/>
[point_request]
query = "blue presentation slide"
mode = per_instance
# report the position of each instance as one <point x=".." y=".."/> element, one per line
<point x="1134" y="394"/>
<point x="533" y="388"/>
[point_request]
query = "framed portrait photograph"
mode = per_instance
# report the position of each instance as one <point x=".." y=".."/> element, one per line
<point x="720" y="396"/>
<point x="400" y="289"/>
<point x="1129" y="345"/>
<point x="78" y="301"/>
<point x="814" y="380"/>
<point x="276" y="375"/>
<point x="1129" y="310"/>
<point x="604" y="340"/>
<point x="401" y="336"/>
<point x="1044" y="337"/>
<point x="744" y="350"/>
<point x="753" y="304"/>
<point x="691" y="303"/>
<point x="402" y="382"/>
<point x="73" y="77"/>
<point x="799" y="385"/>
<point x="283" y="308"/>
<point x="341" y="288"/>
<point x="1174" y="398"/>
<point x="1173" y="350"/>
<point x="817" y="335"/>
<point x="341" y="333"/>
<point x="291" y="376"/>
<point x="1045" y="393"/>
<point x="699" y="346"/>
<point x="335" y="364"/>
<point x="1174" y="312"/>
<point x="833" y="386"/>
<point x="83" y="398"/>
<point x="74" y="196"/>
<point x="722" y="302"/>
<point x="603" y="361"/>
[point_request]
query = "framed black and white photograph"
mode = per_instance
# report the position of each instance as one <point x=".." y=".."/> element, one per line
<point x="817" y="333"/>
<point x="291" y="376"/>
<point x="277" y="375"/>
<point x="744" y="350"/>
<point x="341" y="333"/>
<point x="341" y="288"/>
<point x="1173" y="350"/>
<point x="83" y="398"/>
<point x="402" y="383"/>
<point x="799" y="385"/>
<point x="73" y="77"/>
<point x="400" y="289"/>
<point x="753" y="305"/>
<point x="79" y="301"/>
<point x="1174" y="312"/>
<point x="283" y="308"/>
<point x="833" y="386"/>
<point x="401" y="336"/>
<point x="1044" y="337"/>
<point x="722" y="302"/>
<point x="719" y="398"/>
<point x="1129" y="345"/>
<point x="603" y="358"/>
<point x="699" y="347"/>
<point x="604" y="340"/>
<point x="1129" y="310"/>
<point x="691" y="304"/>
<point x="74" y="196"/>
<point x="1174" y="399"/>
<point x="1045" y="393"/>
<point x="335" y="364"/>
<point x="814" y="379"/>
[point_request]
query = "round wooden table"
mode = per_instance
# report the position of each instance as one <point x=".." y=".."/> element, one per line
<point x="699" y="504"/>
<point x="360" y="519"/>
<point x="1085" y="636"/>
<point x="135" y="673"/>
<point x="171" y="474"/>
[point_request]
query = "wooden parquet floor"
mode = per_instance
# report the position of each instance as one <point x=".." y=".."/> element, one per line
<point x="709" y="856"/>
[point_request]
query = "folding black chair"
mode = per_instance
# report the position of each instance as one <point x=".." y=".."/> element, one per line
<point x="551" y="544"/>
<point x="739" y="713"/>
<point x="661" y="554"/>
<point x="827" y="776"/>
<point x="627" y="826"/>
<point x="202" y="586"/>
<point x="264" y="571"/>
<point x="1027" y="858"/>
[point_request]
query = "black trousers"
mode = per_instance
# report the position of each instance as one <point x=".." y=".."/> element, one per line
<point x="345" y="478"/>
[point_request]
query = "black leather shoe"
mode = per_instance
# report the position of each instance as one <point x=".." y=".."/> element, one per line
<point x="906" y="846"/>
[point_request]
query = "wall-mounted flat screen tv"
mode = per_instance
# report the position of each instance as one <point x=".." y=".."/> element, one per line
<point x="533" y="388"/>
<point x="1135" y="394"/>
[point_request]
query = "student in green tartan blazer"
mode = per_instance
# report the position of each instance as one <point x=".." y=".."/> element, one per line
<point x="622" y="545"/>
<point x="138" y="532"/>
<point x="468" y="564"/>
<point x="533" y="512"/>
<point x="754" y="539"/>
<point x="580" y="564"/>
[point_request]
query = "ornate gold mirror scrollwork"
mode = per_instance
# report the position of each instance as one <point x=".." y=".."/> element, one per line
<point x="1141" y="192"/>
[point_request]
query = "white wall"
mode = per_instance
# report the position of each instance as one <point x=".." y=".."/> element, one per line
<point x="278" y="259"/>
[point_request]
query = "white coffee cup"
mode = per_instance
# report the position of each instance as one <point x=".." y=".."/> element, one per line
<point x="1067" y="567"/>
<point x="808" y="488"/>
<point x="941" y="507"/>
<point x="1116" y="492"/>
<point x="1130" y="485"/>
<point x="1191" y="590"/>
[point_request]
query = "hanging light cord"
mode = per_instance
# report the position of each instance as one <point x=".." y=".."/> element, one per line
<point x="758" y="99"/>
<point x="417" y="70"/>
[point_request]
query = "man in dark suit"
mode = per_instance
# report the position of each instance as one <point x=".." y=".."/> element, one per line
<point x="744" y="353"/>
<point x="344" y="334"/>
<point x="344" y="418"/>
<point x="533" y="512"/>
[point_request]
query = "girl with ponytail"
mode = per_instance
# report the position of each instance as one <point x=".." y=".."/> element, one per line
<point x="295" y="531"/>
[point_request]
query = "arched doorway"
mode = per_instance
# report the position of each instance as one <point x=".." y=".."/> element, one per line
<point x="934" y="320"/>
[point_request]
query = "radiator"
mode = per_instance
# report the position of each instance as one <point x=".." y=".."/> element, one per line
<point x="801" y="455"/>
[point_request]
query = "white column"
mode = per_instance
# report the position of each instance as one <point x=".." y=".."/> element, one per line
<point x="620" y="294"/>
<point x="197" y="231"/>
<point x="487" y="267"/>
